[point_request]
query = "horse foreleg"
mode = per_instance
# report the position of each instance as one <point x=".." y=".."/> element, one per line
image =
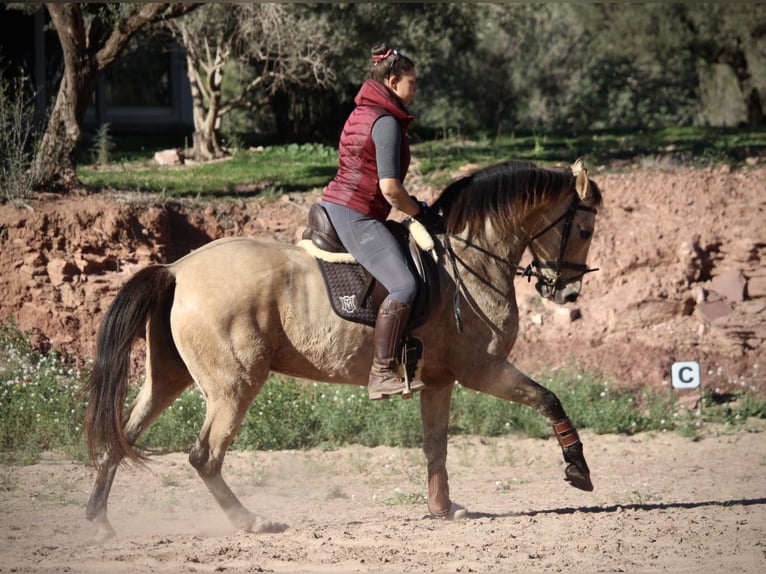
<point x="222" y="422"/>
<point x="434" y="412"/>
<point x="507" y="382"/>
<point x="577" y="472"/>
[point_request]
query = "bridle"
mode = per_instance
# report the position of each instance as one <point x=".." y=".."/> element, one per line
<point x="545" y="283"/>
<point x="535" y="267"/>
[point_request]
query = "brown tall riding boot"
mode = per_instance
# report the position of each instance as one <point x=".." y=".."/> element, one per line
<point x="385" y="380"/>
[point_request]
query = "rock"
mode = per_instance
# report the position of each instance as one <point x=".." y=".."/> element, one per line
<point x="169" y="157"/>
<point x="756" y="287"/>
<point x="730" y="284"/>
<point x="61" y="271"/>
<point x="713" y="310"/>
<point x="566" y="315"/>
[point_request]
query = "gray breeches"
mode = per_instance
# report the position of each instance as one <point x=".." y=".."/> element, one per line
<point x="373" y="246"/>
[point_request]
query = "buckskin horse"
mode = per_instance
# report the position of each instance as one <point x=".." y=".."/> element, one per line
<point x="229" y="313"/>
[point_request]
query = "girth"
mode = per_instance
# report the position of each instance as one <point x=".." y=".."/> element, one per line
<point x="354" y="293"/>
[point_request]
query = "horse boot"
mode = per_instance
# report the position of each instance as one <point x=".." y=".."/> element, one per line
<point x="385" y="380"/>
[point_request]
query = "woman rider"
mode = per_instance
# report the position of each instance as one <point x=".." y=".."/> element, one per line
<point x="373" y="160"/>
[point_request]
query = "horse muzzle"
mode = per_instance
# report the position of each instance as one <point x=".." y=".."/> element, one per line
<point x="559" y="292"/>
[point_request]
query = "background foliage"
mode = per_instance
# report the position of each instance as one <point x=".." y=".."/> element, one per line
<point x="489" y="69"/>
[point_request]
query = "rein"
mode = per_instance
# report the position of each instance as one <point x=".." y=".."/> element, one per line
<point x="534" y="268"/>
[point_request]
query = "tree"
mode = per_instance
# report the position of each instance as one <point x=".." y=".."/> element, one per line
<point x="268" y="48"/>
<point x="92" y="36"/>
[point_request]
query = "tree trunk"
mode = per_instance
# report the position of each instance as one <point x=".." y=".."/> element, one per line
<point x="88" y="51"/>
<point x="206" y="97"/>
<point x="54" y="165"/>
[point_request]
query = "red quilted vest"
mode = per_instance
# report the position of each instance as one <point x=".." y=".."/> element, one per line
<point x="355" y="185"/>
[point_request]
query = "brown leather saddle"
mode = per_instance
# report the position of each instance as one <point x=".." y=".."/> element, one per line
<point x="354" y="294"/>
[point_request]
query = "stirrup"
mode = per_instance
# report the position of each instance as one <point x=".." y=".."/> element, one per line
<point x="405" y="390"/>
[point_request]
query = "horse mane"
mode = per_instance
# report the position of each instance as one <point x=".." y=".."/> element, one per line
<point x="503" y="193"/>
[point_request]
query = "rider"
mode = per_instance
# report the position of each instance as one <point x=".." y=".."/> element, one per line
<point x="373" y="160"/>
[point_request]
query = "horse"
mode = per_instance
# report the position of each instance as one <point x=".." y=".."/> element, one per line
<point x="226" y="315"/>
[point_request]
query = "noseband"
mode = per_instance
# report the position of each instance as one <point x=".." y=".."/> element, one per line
<point x="534" y="269"/>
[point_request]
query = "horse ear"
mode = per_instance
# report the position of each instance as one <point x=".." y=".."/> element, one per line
<point x="582" y="183"/>
<point x="578" y="166"/>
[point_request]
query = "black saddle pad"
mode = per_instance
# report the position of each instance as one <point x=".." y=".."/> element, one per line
<point x="350" y="291"/>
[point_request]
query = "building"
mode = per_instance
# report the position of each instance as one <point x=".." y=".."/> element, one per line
<point x="146" y="88"/>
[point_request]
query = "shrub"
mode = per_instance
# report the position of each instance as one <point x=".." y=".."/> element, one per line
<point x="40" y="408"/>
<point x="18" y="139"/>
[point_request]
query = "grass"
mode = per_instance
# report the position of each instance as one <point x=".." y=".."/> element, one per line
<point x="40" y="409"/>
<point x="297" y="168"/>
<point x="272" y="171"/>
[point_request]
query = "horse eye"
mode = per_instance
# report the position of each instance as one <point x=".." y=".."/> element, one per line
<point x="585" y="233"/>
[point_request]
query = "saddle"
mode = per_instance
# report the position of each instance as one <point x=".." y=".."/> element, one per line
<point x="354" y="294"/>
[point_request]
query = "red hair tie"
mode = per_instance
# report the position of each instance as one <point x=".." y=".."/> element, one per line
<point x="381" y="57"/>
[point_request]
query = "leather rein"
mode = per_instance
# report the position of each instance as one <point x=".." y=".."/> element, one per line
<point x="535" y="267"/>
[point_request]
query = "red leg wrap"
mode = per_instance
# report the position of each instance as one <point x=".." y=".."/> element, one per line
<point x="566" y="434"/>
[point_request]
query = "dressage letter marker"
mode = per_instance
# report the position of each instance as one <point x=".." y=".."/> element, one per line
<point x="685" y="375"/>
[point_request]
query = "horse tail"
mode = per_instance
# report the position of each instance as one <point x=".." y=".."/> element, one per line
<point x="107" y="386"/>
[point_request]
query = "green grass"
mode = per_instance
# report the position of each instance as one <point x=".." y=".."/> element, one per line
<point x="670" y="146"/>
<point x="272" y="171"/>
<point x="40" y="409"/>
<point x="298" y="168"/>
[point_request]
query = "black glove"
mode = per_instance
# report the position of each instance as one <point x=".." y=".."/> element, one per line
<point x="428" y="216"/>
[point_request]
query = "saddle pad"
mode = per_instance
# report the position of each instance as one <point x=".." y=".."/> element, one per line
<point x="348" y="288"/>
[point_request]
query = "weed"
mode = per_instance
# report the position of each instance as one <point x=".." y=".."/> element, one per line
<point x="401" y="497"/>
<point x="19" y="139"/>
<point x="103" y="146"/>
<point x="41" y="409"/>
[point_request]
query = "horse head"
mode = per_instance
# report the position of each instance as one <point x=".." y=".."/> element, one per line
<point x="560" y="246"/>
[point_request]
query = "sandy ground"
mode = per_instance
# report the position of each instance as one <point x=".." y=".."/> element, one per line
<point x="661" y="502"/>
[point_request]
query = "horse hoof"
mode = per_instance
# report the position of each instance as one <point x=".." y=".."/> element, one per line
<point x="455" y="512"/>
<point x="263" y="526"/>
<point x="104" y="530"/>
<point x="104" y="535"/>
<point x="578" y="479"/>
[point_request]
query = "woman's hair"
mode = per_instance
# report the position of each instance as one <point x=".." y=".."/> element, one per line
<point x="387" y="62"/>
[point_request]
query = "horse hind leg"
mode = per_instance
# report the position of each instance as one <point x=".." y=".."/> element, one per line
<point x="166" y="379"/>
<point x="222" y="421"/>
<point x="152" y="399"/>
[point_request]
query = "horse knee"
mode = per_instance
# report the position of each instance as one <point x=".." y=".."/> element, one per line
<point x="551" y="406"/>
<point x="199" y="457"/>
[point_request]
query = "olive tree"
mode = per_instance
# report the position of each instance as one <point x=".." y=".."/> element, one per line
<point x="265" y="48"/>
<point x="92" y="37"/>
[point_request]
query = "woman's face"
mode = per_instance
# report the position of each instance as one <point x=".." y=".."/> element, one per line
<point x="404" y="87"/>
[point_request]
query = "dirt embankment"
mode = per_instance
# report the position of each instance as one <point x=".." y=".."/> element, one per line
<point x="681" y="255"/>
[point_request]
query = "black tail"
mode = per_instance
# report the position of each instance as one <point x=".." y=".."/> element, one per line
<point x="108" y="383"/>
